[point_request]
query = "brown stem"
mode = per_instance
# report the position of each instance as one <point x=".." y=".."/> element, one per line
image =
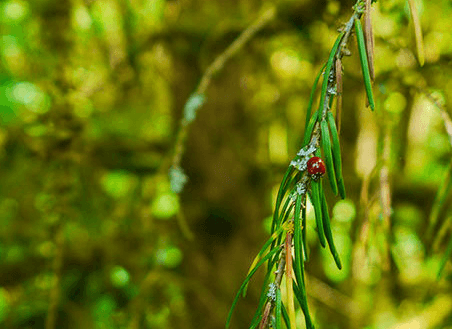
<point x="269" y="306"/>
<point x="369" y="39"/>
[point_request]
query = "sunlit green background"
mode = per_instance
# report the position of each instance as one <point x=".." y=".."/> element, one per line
<point x="91" y="95"/>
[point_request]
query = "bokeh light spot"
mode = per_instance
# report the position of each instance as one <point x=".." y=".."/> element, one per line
<point x="30" y="96"/>
<point x="395" y="103"/>
<point x="118" y="184"/>
<point x="82" y="19"/>
<point x="286" y="63"/>
<point x="165" y="205"/>
<point x="169" y="257"/>
<point x="119" y="276"/>
<point x="14" y="11"/>
<point x="344" y="211"/>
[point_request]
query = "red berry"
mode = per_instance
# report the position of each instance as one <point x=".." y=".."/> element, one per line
<point x="316" y="167"/>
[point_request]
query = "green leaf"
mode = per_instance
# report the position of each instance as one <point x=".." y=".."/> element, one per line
<point x="326" y="74"/>
<point x="417" y="32"/>
<point x="286" y="210"/>
<point x="297" y="239"/>
<point x="339" y="89"/>
<point x="278" y="308"/>
<point x="438" y="203"/>
<point x="272" y="238"/>
<point x="316" y="202"/>
<point x="283" y="188"/>
<point x="280" y="218"/>
<point x="328" y="233"/>
<point x="300" y="294"/>
<point x="445" y="258"/>
<point x="304" y="235"/>
<point x="341" y="187"/>
<point x="284" y="215"/>
<point x="285" y="316"/>
<point x="326" y="145"/>
<point x="336" y="148"/>
<point x="247" y="279"/>
<point x="364" y="63"/>
<point x="263" y="298"/>
<point x="310" y="128"/>
<point x="281" y="192"/>
<point x="311" y="97"/>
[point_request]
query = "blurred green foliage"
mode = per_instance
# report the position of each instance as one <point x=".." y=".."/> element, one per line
<point x="91" y="94"/>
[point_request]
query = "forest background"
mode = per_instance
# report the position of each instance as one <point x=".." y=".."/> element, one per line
<point x="92" y="95"/>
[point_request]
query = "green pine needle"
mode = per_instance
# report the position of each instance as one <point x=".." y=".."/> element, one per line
<point x="364" y="63"/>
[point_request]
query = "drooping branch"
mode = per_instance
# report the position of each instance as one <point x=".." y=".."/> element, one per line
<point x="196" y="100"/>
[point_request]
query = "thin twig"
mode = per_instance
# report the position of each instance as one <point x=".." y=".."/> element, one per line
<point x="270" y="305"/>
<point x="364" y="200"/>
<point x="266" y="315"/>
<point x="385" y="192"/>
<point x="185" y="228"/>
<point x="369" y="39"/>
<point x="438" y="203"/>
<point x="56" y="280"/>
<point x="366" y="203"/>
<point x="349" y="29"/>
<point x="238" y="44"/>
<point x="333" y="298"/>
<point x="442" y="190"/>
<point x="214" y="68"/>
<point x="417" y="32"/>
<point x="340" y="52"/>
<point x="289" y="284"/>
<point x="339" y="89"/>
<point x="445" y="227"/>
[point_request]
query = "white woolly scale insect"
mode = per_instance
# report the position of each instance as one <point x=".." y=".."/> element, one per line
<point x="301" y="163"/>
<point x="308" y="149"/>
<point x="272" y="291"/>
<point x="301" y="188"/>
